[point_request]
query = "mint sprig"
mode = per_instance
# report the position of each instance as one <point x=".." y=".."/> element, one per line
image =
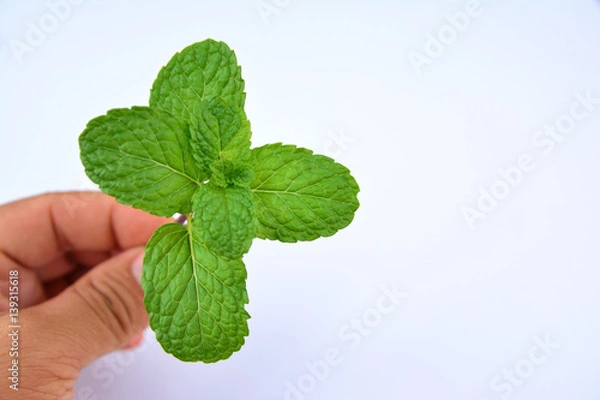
<point x="189" y="152"/>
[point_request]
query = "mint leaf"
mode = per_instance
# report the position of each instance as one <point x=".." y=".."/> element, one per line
<point x="195" y="298"/>
<point x="189" y="153"/>
<point x="200" y="71"/>
<point x="224" y="218"/>
<point x="143" y="157"/>
<point x="227" y="173"/>
<point x="223" y="133"/>
<point x="299" y="195"/>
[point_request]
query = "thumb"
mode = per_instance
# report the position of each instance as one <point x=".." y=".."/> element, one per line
<point x="101" y="312"/>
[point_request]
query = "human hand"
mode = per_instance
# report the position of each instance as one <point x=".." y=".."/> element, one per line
<point x="79" y="292"/>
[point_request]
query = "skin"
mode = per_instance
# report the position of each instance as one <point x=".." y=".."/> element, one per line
<point x="78" y="256"/>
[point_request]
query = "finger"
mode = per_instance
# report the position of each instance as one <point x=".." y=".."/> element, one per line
<point x="30" y="287"/>
<point x="48" y="280"/>
<point x="40" y="229"/>
<point x="101" y="312"/>
<point x="69" y="263"/>
<point x="134" y="342"/>
<point x="89" y="258"/>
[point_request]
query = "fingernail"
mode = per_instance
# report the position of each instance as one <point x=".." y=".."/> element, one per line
<point x="134" y="342"/>
<point x="136" y="267"/>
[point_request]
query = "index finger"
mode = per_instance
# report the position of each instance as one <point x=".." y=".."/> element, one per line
<point x="38" y="229"/>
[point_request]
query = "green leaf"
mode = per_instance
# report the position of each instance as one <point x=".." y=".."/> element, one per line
<point x="195" y="298"/>
<point x="143" y="157"/>
<point x="200" y="71"/>
<point x="224" y="218"/>
<point x="189" y="153"/>
<point x="223" y="133"/>
<point x="299" y="195"/>
<point x="227" y="173"/>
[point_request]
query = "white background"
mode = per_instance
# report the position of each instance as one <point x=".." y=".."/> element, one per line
<point x="422" y="143"/>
